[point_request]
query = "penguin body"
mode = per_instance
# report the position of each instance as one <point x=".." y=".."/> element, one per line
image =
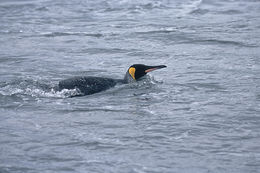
<point x="90" y="85"/>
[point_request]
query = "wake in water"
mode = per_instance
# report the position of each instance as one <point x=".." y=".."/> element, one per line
<point x="34" y="88"/>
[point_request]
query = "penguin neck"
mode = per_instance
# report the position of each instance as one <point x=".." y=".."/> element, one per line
<point x="128" y="78"/>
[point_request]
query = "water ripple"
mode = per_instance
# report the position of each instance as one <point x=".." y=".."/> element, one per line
<point x="59" y="34"/>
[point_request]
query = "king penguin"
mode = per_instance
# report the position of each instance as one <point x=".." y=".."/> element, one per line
<point x="90" y="85"/>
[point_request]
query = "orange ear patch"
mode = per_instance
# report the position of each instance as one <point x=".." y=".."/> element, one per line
<point x="132" y="72"/>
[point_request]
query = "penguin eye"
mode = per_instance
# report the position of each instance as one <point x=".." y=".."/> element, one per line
<point x="132" y="72"/>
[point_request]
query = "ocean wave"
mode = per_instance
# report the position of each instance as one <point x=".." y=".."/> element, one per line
<point x="180" y="36"/>
<point x="60" y="34"/>
<point x="221" y="42"/>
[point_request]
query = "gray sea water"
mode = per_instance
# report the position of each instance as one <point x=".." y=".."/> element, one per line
<point x="201" y="114"/>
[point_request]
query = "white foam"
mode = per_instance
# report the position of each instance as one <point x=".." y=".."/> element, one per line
<point x="52" y="93"/>
<point x="33" y="91"/>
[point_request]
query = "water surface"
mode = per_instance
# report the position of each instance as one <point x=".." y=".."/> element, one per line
<point x="200" y="114"/>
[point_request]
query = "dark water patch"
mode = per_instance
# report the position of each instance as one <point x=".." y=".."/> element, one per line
<point x="35" y="147"/>
<point x="62" y="169"/>
<point x="93" y="109"/>
<point x="220" y="42"/>
<point x="9" y="5"/>
<point x="213" y="3"/>
<point x="208" y="86"/>
<point x="199" y="11"/>
<point x="139" y="53"/>
<point x="60" y="34"/>
<point x="106" y="50"/>
<point x="12" y="9"/>
<point x="174" y="35"/>
<point x="166" y="30"/>
<point x="232" y="12"/>
<point x="207" y="72"/>
<point x="53" y="157"/>
<point x="11" y="101"/>
<point x="258" y="97"/>
<point x="71" y="143"/>
<point x="4" y="169"/>
<point x="10" y="169"/>
<point x="42" y="9"/>
<point x="13" y="59"/>
<point x="249" y="117"/>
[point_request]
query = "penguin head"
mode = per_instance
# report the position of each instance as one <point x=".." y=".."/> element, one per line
<point x="137" y="71"/>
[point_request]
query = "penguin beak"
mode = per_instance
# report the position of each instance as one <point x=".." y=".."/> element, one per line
<point x="152" y="68"/>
